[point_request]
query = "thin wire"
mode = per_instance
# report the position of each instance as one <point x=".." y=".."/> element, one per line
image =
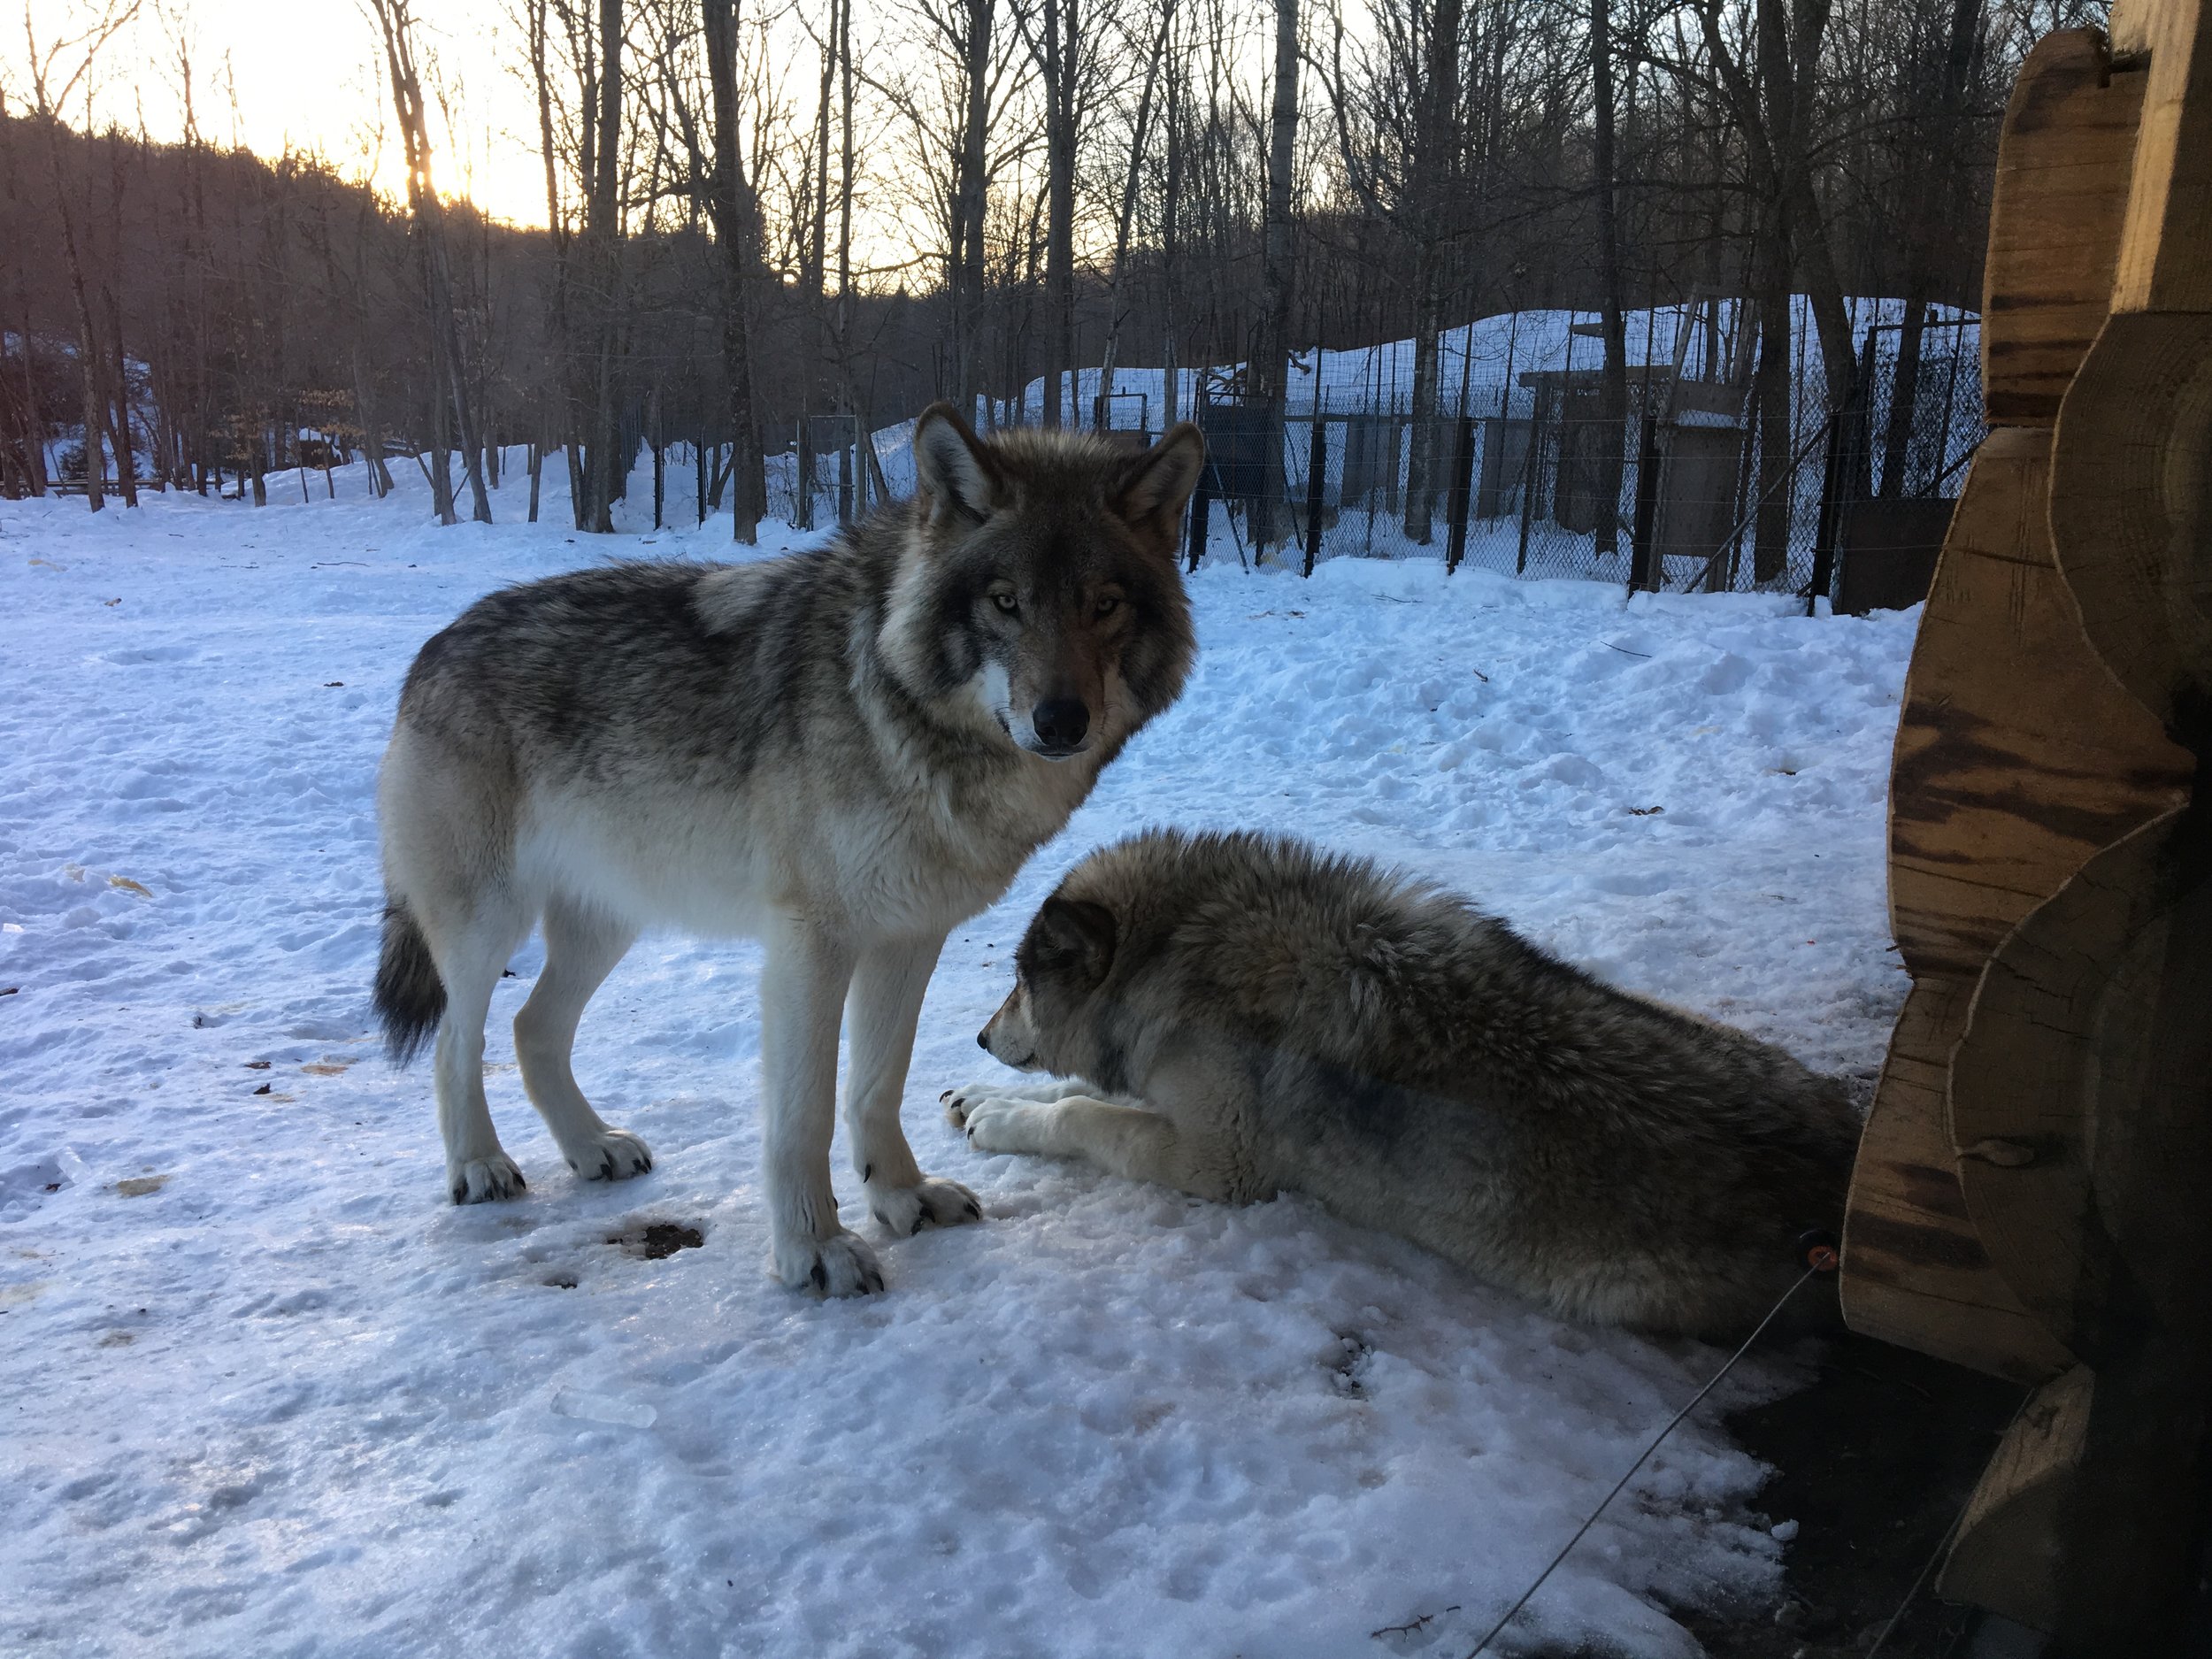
<point x="1710" y="1384"/>
<point x="1943" y="1543"/>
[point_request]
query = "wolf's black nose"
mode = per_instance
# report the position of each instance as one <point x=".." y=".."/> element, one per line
<point x="1060" y="722"/>
<point x="983" y="1039"/>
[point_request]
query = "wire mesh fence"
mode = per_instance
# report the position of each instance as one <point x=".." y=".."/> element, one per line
<point x="1692" y="487"/>
<point x="1684" y="492"/>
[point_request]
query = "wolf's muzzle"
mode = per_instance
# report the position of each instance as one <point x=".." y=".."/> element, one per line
<point x="1061" y="725"/>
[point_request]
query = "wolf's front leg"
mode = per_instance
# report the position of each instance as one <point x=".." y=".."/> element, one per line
<point x="955" y="1100"/>
<point x="803" y="983"/>
<point x="1127" y="1140"/>
<point x="885" y="1002"/>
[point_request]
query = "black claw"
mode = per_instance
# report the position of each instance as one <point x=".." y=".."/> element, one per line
<point x="974" y="1209"/>
<point x="519" y="1182"/>
<point x="882" y="1221"/>
<point x="572" y="1164"/>
<point x="867" y="1172"/>
<point x="920" y="1222"/>
<point x="460" y="1190"/>
<point x="820" y="1276"/>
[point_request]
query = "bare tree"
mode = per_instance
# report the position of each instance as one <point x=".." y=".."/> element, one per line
<point x="58" y="69"/>
<point x="733" y="209"/>
<point x="448" y="368"/>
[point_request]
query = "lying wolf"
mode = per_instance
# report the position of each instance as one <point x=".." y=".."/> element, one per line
<point x="1251" y="1016"/>
<point x="845" y="753"/>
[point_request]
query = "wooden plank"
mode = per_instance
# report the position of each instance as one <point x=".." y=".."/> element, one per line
<point x="2165" y="262"/>
<point x="1914" y="1269"/>
<point x="2017" y="757"/>
<point x="2055" y="219"/>
<point x="2006" y="1555"/>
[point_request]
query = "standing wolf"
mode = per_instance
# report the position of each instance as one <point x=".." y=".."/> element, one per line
<point x="1292" y="1021"/>
<point x="844" y="753"/>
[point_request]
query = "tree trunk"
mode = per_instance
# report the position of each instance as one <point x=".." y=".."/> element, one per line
<point x="119" y="421"/>
<point x="1170" y="273"/>
<point x="1931" y="225"/>
<point x="1126" y="218"/>
<point x="1771" y="398"/>
<point x="1421" y="461"/>
<point x="88" y="349"/>
<point x="1271" y="383"/>
<point x="1904" y="393"/>
<point x="602" y="238"/>
<point x="1062" y="49"/>
<point x="969" y="186"/>
<point x="734" y="223"/>
<point x="452" y="384"/>
<point x="1612" y="435"/>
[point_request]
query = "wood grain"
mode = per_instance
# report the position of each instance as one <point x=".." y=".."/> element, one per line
<point x="1914" y="1269"/>
<point x="2130" y="507"/>
<point x="2006" y="1557"/>
<point x="2058" y="1027"/>
<point x="2165" y="262"/>
<point x="2055" y="219"/>
<point x="2017" y="754"/>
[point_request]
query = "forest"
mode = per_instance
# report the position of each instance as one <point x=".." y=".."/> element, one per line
<point x="767" y="229"/>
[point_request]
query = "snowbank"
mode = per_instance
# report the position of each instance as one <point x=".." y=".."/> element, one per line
<point x="266" y="1391"/>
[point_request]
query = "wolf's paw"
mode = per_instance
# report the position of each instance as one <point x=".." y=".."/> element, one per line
<point x="612" y="1155"/>
<point x="958" y="1102"/>
<point x="929" y="1202"/>
<point x="481" y="1179"/>
<point x="997" y="1124"/>
<point x="840" y="1265"/>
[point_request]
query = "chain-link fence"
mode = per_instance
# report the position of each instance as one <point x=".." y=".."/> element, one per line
<point x="1687" y="490"/>
<point x="1692" y="487"/>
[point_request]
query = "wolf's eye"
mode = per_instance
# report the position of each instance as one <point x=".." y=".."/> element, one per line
<point x="1006" y="602"/>
<point x="1107" y="603"/>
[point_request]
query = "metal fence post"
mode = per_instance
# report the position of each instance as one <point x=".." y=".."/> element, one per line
<point x="1201" y="503"/>
<point x="1316" y="485"/>
<point x="1845" y="433"/>
<point x="1528" y="475"/>
<point x="1455" y="503"/>
<point x="1643" y="558"/>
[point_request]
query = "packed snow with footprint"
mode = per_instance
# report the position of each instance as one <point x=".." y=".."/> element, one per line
<point x="265" y="1390"/>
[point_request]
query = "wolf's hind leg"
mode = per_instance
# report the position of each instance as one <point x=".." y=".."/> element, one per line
<point x="470" y="961"/>
<point x="1125" y="1140"/>
<point x="582" y="948"/>
<point x="889" y="981"/>
<point x="803" y="984"/>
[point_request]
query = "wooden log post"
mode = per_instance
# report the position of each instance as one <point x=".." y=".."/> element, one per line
<point x="2017" y="758"/>
<point x="2051" y="872"/>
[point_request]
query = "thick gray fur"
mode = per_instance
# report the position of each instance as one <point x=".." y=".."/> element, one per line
<point x="1251" y="1016"/>
<point x="845" y="753"/>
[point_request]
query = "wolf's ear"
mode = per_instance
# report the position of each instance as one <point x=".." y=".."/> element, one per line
<point x="956" y="469"/>
<point x="1074" y="937"/>
<point x="1149" y="495"/>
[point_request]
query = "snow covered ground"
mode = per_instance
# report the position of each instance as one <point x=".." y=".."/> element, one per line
<point x="265" y="1391"/>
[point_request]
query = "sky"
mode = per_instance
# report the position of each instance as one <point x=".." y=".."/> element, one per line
<point x="307" y="75"/>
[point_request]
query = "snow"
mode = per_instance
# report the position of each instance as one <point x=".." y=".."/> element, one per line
<point x="265" y="1391"/>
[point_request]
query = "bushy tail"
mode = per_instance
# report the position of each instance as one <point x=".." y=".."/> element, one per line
<point x="410" y="997"/>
